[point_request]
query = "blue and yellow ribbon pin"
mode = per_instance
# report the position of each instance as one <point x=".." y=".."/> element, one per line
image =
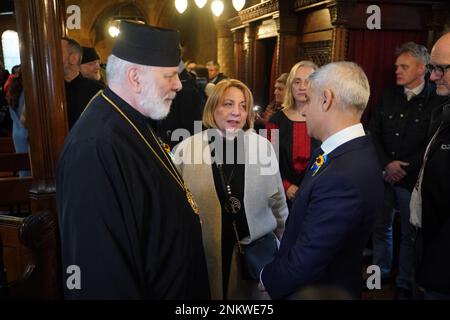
<point x="166" y="148"/>
<point x="320" y="161"/>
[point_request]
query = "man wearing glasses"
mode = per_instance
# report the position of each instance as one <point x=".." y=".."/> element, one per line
<point x="430" y="201"/>
<point x="400" y="126"/>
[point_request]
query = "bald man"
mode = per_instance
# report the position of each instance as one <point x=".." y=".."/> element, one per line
<point x="433" y="188"/>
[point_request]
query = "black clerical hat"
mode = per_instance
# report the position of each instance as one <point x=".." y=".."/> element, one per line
<point x="89" y="54"/>
<point x="147" y="45"/>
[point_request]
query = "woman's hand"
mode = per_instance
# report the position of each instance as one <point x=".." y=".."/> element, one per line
<point x="291" y="191"/>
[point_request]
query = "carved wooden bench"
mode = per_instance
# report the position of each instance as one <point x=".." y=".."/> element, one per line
<point x="24" y="243"/>
<point x="14" y="194"/>
<point x="12" y="163"/>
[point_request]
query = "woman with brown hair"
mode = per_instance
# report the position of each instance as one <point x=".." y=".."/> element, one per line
<point x="239" y="193"/>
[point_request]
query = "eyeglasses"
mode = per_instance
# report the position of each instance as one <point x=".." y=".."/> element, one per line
<point x="438" y="70"/>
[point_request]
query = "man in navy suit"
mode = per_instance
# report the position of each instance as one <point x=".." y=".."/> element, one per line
<point x="333" y="213"/>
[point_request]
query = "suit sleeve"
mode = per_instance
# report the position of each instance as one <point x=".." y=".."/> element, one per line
<point x="332" y="213"/>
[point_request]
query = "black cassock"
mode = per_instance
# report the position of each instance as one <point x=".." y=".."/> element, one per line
<point x="124" y="220"/>
<point x="79" y="92"/>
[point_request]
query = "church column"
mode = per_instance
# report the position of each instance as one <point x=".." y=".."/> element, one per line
<point x="440" y="16"/>
<point x="288" y="41"/>
<point x="249" y="50"/>
<point x="225" y="45"/>
<point x="238" y="38"/>
<point x="39" y="28"/>
<point x="339" y="12"/>
<point x="225" y="50"/>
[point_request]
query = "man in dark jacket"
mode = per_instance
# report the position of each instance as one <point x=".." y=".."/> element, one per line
<point x="433" y="188"/>
<point x="90" y="65"/>
<point x="214" y="74"/>
<point x="79" y="90"/>
<point x="400" y="125"/>
<point x="186" y="109"/>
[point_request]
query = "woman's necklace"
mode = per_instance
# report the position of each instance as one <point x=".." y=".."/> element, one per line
<point x="297" y="113"/>
<point x="170" y="169"/>
<point x="233" y="204"/>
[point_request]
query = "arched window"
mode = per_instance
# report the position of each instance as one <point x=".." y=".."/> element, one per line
<point x="10" y="45"/>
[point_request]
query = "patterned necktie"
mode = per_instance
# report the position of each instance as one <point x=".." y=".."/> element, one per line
<point x="409" y="95"/>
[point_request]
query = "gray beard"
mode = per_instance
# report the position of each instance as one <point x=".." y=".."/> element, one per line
<point x="153" y="106"/>
<point x="156" y="110"/>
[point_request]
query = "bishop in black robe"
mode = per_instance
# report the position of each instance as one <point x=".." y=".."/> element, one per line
<point x="124" y="220"/>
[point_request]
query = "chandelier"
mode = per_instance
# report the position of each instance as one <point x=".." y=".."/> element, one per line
<point x="217" y="6"/>
<point x="127" y="12"/>
<point x="114" y="24"/>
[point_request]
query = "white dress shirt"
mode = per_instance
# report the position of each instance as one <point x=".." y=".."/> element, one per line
<point x="417" y="89"/>
<point x="342" y="137"/>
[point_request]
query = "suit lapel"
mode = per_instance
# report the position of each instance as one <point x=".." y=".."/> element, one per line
<point x="344" y="148"/>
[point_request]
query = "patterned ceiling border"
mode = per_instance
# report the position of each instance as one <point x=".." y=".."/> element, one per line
<point x="317" y="51"/>
<point x="259" y="10"/>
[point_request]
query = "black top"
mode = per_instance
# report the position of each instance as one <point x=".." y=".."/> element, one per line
<point x="295" y="147"/>
<point x="185" y="109"/>
<point x="218" y="78"/>
<point x="123" y="219"/>
<point x="400" y="128"/>
<point x="79" y="92"/>
<point x="234" y="174"/>
<point x="433" y="271"/>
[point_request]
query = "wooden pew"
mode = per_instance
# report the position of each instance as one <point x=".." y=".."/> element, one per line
<point x="17" y="258"/>
<point x="24" y="243"/>
<point x="12" y="163"/>
<point x="6" y="145"/>
<point x="14" y="192"/>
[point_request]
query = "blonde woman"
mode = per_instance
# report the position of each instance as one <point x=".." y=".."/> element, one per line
<point x="295" y="146"/>
<point x="240" y="194"/>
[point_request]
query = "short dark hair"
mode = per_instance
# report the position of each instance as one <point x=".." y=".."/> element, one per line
<point x="418" y="51"/>
<point x="214" y="64"/>
<point x="74" y="47"/>
<point x="14" y="69"/>
<point x="282" y="78"/>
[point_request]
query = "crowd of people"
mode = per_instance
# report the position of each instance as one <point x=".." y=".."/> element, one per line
<point x="155" y="217"/>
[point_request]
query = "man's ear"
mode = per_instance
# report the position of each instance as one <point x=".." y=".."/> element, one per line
<point x="422" y="69"/>
<point x="134" y="80"/>
<point x="327" y="100"/>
